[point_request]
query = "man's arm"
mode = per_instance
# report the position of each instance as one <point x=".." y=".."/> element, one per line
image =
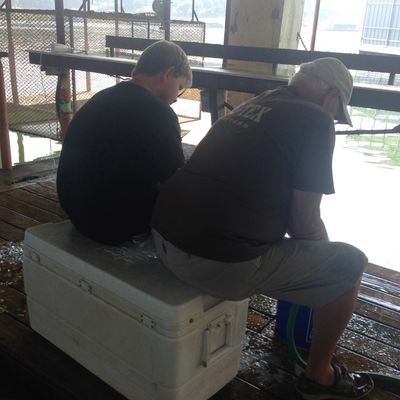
<point x="304" y="219"/>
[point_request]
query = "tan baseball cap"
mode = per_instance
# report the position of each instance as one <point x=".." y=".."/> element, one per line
<point x="333" y="72"/>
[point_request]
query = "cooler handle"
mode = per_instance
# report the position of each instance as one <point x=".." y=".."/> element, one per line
<point x="209" y="355"/>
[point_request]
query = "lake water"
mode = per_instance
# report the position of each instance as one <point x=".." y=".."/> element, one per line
<point x="26" y="148"/>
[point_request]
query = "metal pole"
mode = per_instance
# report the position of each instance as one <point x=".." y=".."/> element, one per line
<point x="117" y="51"/>
<point x="11" y="55"/>
<point x="4" y="133"/>
<point x="315" y="24"/>
<point x="59" y="7"/>
<point x="86" y="36"/>
<point x="73" y="74"/>
<point x="167" y="19"/>
<point x="63" y="91"/>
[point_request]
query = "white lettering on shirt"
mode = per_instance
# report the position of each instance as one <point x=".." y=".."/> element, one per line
<point x="254" y="112"/>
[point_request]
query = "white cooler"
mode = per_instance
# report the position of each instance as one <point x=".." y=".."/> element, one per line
<point x="125" y="317"/>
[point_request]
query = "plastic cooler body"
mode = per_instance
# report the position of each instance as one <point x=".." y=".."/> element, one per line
<point x="120" y="313"/>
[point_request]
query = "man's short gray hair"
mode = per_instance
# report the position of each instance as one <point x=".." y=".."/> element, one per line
<point x="160" y="56"/>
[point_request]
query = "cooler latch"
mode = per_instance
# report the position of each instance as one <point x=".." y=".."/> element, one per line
<point x="217" y="339"/>
<point x="34" y="256"/>
<point x="86" y="286"/>
<point x="147" y="321"/>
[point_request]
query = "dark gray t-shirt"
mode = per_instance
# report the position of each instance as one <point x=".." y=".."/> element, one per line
<point x="232" y="198"/>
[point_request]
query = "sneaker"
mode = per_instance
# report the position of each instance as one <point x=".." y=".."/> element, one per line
<point x="347" y="385"/>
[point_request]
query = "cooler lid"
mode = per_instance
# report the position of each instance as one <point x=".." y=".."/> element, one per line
<point x="128" y="274"/>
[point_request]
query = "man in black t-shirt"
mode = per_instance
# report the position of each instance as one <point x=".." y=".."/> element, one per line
<point x="121" y="145"/>
<point x="259" y="175"/>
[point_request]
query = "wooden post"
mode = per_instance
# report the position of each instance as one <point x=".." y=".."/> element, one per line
<point x="261" y="23"/>
<point x="4" y="133"/>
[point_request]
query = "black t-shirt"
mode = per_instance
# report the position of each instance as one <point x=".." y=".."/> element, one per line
<point x="119" y="146"/>
<point x="232" y="198"/>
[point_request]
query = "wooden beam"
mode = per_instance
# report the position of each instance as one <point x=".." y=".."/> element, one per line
<point x="363" y="62"/>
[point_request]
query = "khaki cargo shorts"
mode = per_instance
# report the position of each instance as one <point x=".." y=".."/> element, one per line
<point x="303" y="272"/>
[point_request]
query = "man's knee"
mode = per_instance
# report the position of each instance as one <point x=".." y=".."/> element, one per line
<point x="351" y="260"/>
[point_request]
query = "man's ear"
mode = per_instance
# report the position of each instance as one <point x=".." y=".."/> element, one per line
<point x="168" y="73"/>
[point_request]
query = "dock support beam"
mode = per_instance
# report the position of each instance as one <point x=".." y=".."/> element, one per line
<point x="4" y="133"/>
<point x="63" y="95"/>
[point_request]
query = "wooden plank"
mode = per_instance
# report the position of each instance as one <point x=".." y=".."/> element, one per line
<point x="13" y="303"/>
<point x="28" y="210"/>
<point x="257" y="321"/>
<point x="266" y="364"/>
<point x="11" y="270"/>
<point x="384" y="273"/>
<point x="376" y="313"/>
<point x="49" y="184"/>
<point x="375" y="330"/>
<point x="366" y="62"/>
<point x="37" y="201"/>
<point x="382" y="299"/>
<point x="238" y="389"/>
<point x="381" y="285"/>
<point x="18" y="176"/>
<point x="263" y="304"/>
<point x="42" y="191"/>
<point x="16" y="219"/>
<point x="10" y="233"/>
<point x="49" y="365"/>
<point x="19" y="382"/>
<point x="372" y="349"/>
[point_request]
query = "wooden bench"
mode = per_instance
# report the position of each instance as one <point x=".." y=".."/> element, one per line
<point x="217" y="80"/>
<point x="360" y="62"/>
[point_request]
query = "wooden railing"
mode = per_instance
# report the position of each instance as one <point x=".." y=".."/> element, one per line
<point x="216" y="80"/>
<point x="362" y="62"/>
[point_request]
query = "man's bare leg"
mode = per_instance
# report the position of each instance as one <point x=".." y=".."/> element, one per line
<point x="329" y="323"/>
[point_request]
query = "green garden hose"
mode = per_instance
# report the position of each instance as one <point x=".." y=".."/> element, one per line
<point x="388" y="382"/>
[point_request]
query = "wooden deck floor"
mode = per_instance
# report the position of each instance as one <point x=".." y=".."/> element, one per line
<point x="30" y="366"/>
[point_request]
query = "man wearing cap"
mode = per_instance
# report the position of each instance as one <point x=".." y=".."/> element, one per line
<point x="243" y="215"/>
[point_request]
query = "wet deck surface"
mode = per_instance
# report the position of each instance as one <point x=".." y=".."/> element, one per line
<point x="31" y="366"/>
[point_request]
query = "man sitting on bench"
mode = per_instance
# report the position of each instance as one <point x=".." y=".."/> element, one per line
<point x="121" y="145"/>
<point x="259" y="174"/>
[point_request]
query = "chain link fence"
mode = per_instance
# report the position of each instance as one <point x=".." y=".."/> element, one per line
<point x="30" y="92"/>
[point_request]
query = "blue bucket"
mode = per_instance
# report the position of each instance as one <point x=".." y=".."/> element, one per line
<point x="302" y="325"/>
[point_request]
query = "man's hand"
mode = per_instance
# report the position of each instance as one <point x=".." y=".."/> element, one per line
<point x="304" y="219"/>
